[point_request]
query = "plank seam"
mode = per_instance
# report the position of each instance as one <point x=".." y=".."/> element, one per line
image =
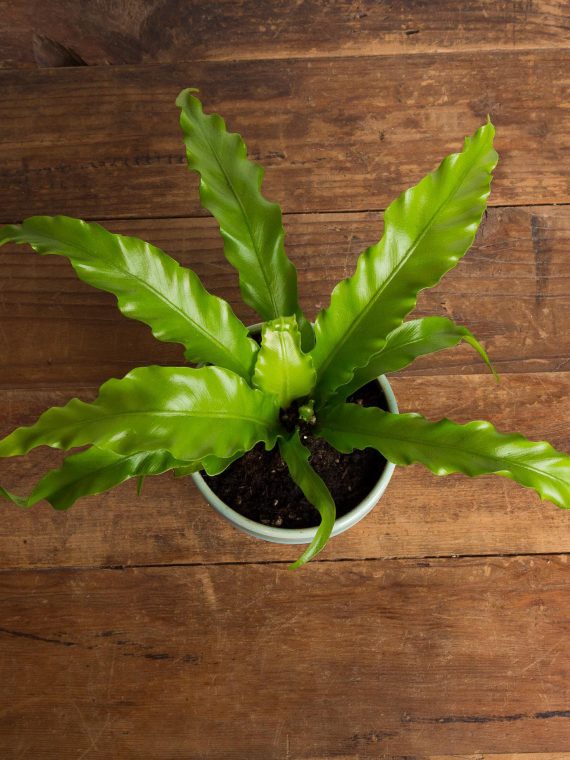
<point x="346" y="54"/>
<point x="287" y="214"/>
<point x="427" y="373"/>
<point x="436" y="558"/>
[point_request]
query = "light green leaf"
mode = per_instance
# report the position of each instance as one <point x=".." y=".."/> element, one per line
<point x="281" y="367"/>
<point x="296" y="457"/>
<point x="406" y="343"/>
<point x="476" y="448"/>
<point x="93" y="472"/>
<point x="250" y="225"/>
<point x="19" y="501"/>
<point x="149" y="286"/>
<point x="187" y="469"/>
<point x="426" y="231"/>
<point x="191" y="413"/>
<point x="211" y="465"/>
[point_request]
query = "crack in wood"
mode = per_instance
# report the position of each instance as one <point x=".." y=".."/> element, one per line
<point x="449" y="719"/>
<point x="35" y="637"/>
<point x="49" y="53"/>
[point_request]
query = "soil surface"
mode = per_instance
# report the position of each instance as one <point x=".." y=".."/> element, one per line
<point x="259" y="487"/>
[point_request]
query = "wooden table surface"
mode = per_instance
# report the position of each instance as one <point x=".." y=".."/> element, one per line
<point x="148" y="628"/>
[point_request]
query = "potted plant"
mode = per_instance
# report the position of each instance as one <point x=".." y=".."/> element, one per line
<point x="301" y="397"/>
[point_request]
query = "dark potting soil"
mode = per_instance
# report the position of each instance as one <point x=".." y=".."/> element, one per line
<point x="259" y="487"/>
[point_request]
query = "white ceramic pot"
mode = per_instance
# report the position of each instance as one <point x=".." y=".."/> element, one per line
<point x="305" y="535"/>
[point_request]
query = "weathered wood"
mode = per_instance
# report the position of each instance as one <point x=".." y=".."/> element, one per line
<point x="48" y="53"/>
<point x="356" y="659"/>
<point x="158" y="31"/>
<point x="336" y="134"/>
<point x="510" y="756"/>
<point x="420" y="514"/>
<point x="222" y="653"/>
<point x="511" y="290"/>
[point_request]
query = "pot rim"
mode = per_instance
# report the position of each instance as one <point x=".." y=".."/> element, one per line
<point x="305" y="535"/>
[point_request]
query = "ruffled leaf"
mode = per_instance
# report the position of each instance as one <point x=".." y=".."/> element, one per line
<point x="296" y="457"/>
<point x="251" y="226"/>
<point x="93" y="472"/>
<point x="476" y="448"/>
<point x="281" y="367"/>
<point x="19" y="501"/>
<point x="211" y="465"/>
<point x="426" y="231"/>
<point x="149" y="286"/>
<point x="406" y="343"/>
<point x="191" y="413"/>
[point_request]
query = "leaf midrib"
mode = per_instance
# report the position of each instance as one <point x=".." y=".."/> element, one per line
<point x="68" y="428"/>
<point x="171" y="413"/>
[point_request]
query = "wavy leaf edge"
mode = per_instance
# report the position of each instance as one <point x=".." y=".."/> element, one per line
<point x="350" y="426"/>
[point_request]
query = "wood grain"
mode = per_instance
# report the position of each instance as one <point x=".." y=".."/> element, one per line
<point x="510" y="756"/>
<point x="355" y="660"/>
<point x="148" y="627"/>
<point x="512" y="290"/>
<point x="335" y="134"/>
<point x="420" y="514"/>
<point x="166" y="31"/>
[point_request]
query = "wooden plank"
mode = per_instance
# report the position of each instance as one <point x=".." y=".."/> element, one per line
<point x="510" y="756"/>
<point x="358" y="659"/>
<point x="336" y="134"/>
<point x="157" y="31"/>
<point x="420" y="514"/>
<point x="511" y="290"/>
